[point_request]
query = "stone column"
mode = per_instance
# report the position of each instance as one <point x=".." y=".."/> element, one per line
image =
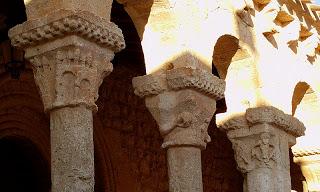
<point x="182" y="100"/>
<point x="309" y="160"/>
<point x="261" y="139"/>
<point x="70" y="53"/>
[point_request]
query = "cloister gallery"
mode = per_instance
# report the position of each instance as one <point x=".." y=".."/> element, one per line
<point x="159" y="95"/>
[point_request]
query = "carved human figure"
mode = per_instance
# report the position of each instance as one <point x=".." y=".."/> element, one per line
<point x="264" y="151"/>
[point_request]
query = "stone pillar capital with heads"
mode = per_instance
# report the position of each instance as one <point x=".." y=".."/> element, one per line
<point x="261" y="139"/>
<point x="70" y="49"/>
<point x="182" y="99"/>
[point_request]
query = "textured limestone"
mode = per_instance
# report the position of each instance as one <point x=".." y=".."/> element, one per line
<point x="40" y="8"/>
<point x="184" y="169"/>
<point x="182" y="100"/>
<point x="70" y="52"/>
<point x="72" y="150"/>
<point x="261" y="139"/>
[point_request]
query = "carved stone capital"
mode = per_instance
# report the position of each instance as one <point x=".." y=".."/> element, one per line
<point x="182" y="101"/>
<point x="70" y="54"/>
<point x="261" y="137"/>
<point x="178" y="79"/>
<point x="70" y="76"/>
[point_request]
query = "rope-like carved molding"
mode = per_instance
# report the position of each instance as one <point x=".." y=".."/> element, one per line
<point x="260" y="115"/>
<point x="302" y="152"/>
<point x="277" y="117"/>
<point x="198" y="79"/>
<point x="233" y="123"/>
<point x="177" y="79"/>
<point x="105" y="35"/>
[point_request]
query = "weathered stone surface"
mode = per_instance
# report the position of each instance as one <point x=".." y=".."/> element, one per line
<point x="67" y="23"/>
<point x="182" y="100"/>
<point x="176" y="102"/>
<point x="184" y="169"/>
<point x="70" y="76"/>
<point x="40" y="8"/>
<point x="261" y="139"/>
<point x="72" y="149"/>
<point x="265" y="26"/>
<point x="70" y="53"/>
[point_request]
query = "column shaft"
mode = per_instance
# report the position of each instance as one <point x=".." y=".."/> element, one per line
<point x="72" y="150"/>
<point x="267" y="180"/>
<point x="184" y="169"/>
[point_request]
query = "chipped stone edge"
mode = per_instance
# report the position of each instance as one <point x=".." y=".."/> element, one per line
<point x="260" y="115"/>
<point x="83" y="24"/>
<point x="177" y="79"/>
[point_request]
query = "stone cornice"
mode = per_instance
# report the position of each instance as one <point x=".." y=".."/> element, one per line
<point x="177" y="79"/>
<point x="302" y="152"/>
<point x="64" y="23"/>
<point x="277" y="117"/>
<point x="261" y="115"/>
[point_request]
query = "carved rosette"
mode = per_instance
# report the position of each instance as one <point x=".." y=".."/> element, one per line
<point x="261" y="137"/>
<point x="182" y="101"/>
<point x="70" y="53"/>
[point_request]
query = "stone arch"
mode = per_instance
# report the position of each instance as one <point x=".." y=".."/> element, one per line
<point x="233" y="61"/>
<point x="227" y="50"/>
<point x="306" y="107"/>
<point x="23" y="167"/>
<point x="133" y="50"/>
<point x="299" y="93"/>
<point x="306" y="104"/>
<point x="24" y="129"/>
<point x="139" y="12"/>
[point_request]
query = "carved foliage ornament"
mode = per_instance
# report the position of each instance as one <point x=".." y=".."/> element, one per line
<point x="70" y="76"/>
<point x="177" y="79"/>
